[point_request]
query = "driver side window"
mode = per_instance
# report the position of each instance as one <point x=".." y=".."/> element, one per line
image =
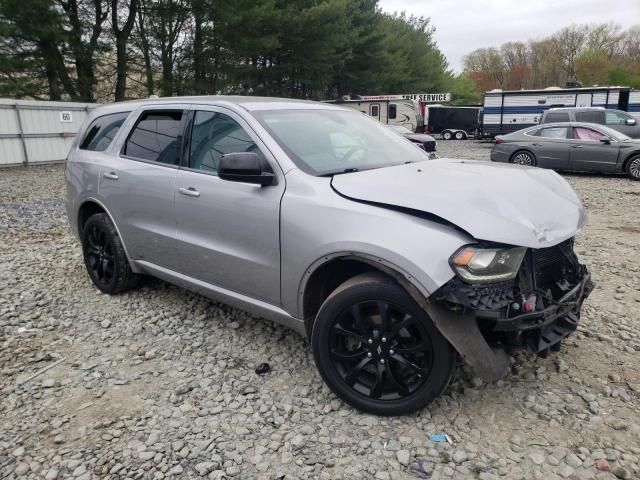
<point x="214" y="135"/>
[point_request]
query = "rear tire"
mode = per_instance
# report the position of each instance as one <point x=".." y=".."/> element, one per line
<point x="447" y="135"/>
<point x="105" y="258"/>
<point x="523" y="157"/>
<point x="633" y="168"/>
<point x="460" y="135"/>
<point x="378" y="350"/>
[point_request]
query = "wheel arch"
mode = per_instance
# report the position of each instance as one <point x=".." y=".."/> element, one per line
<point x="330" y="271"/>
<point x="90" y="206"/>
<point x="628" y="159"/>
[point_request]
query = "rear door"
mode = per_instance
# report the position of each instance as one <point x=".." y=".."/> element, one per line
<point x="589" y="153"/>
<point x="228" y="232"/>
<point x="551" y="147"/>
<point x="138" y="185"/>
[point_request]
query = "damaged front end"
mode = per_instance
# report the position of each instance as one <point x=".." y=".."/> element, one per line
<point x="536" y="309"/>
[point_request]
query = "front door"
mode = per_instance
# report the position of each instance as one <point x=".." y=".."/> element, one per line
<point x="589" y="153"/>
<point x="138" y="186"/>
<point x="228" y="232"/>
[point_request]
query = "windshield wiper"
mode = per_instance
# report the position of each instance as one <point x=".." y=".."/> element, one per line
<point x="346" y="170"/>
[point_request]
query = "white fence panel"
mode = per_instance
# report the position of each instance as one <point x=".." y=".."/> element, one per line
<point x="34" y="132"/>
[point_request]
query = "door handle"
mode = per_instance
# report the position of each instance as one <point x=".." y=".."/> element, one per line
<point x="576" y="146"/>
<point x="189" y="192"/>
<point x="110" y="175"/>
<point x="536" y="144"/>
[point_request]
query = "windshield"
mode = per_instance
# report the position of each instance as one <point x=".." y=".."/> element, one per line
<point x="400" y="129"/>
<point x="325" y="142"/>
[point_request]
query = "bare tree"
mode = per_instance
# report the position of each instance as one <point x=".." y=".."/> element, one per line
<point x="568" y="44"/>
<point x="121" y="36"/>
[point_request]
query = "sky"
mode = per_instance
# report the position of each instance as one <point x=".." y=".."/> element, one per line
<point x="464" y="25"/>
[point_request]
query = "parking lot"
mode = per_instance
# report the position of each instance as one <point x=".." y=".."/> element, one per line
<point x="161" y="383"/>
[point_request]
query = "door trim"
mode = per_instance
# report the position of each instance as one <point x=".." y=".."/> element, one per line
<point x="257" y="307"/>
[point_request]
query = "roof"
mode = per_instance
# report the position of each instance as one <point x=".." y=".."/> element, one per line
<point x="247" y="102"/>
<point x="555" y="90"/>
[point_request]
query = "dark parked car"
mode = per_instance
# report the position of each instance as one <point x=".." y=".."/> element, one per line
<point x="618" y="120"/>
<point x="570" y="146"/>
<point x="427" y="141"/>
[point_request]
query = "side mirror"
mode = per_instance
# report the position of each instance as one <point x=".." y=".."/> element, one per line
<point x="605" y="140"/>
<point x="631" y="121"/>
<point x="244" y="167"/>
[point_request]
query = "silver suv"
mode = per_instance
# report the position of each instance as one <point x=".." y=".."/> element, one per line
<point x="324" y="220"/>
<point x="621" y="121"/>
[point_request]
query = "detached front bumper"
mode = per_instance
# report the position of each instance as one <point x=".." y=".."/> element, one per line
<point x="537" y="310"/>
<point x="544" y="329"/>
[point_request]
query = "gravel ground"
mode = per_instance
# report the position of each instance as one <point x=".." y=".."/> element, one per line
<point x="160" y="382"/>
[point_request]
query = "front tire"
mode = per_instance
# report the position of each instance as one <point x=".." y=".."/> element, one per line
<point x="633" y="168"/>
<point x="378" y="350"/>
<point x="460" y="136"/>
<point x="447" y="135"/>
<point x="105" y="258"/>
<point x="524" y="158"/>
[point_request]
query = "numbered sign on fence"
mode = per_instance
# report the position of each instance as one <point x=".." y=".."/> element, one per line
<point x="66" y="117"/>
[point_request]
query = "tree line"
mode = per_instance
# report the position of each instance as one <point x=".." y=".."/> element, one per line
<point x="591" y="54"/>
<point x="103" y="50"/>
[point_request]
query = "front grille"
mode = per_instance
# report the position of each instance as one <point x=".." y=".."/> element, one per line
<point x="553" y="267"/>
<point x="430" y="146"/>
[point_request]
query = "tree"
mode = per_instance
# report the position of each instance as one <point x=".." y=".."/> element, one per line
<point x="567" y="44"/>
<point x="121" y="36"/>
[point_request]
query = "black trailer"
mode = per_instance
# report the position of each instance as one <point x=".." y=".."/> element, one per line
<point x="459" y="122"/>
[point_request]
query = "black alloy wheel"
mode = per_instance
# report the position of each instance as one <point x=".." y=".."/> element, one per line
<point x="99" y="255"/>
<point x="105" y="257"/>
<point x="378" y="350"/>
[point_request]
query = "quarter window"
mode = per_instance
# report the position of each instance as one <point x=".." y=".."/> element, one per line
<point x="157" y="137"/>
<point x="553" y="132"/>
<point x="214" y="135"/>
<point x="102" y="131"/>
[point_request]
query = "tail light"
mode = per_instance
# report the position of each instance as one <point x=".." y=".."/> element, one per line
<point x="498" y="140"/>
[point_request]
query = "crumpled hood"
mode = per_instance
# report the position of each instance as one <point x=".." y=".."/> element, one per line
<point x="504" y="203"/>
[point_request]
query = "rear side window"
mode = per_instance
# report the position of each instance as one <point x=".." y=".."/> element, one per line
<point x="553" y="132"/>
<point x="157" y="136"/>
<point x="102" y="131"/>
<point x="393" y="109"/>
<point x="375" y="110"/>
<point x="555" y="117"/>
<point x="590" y="116"/>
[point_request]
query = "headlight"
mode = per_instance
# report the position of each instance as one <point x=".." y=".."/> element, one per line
<point x="483" y="265"/>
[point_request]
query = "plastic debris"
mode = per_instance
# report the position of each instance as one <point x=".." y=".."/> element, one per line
<point x="440" y="438"/>
<point x="263" y="369"/>
<point x="602" y="465"/>
<point x="421" y="468"/>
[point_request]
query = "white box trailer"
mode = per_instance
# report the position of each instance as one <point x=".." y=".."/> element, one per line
<point x="388" y="109"/>
<point x="35" y="132"/>
<point x="506" y="111"/>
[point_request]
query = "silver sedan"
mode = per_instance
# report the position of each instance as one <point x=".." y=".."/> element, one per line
<point x="570" y="146"/>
